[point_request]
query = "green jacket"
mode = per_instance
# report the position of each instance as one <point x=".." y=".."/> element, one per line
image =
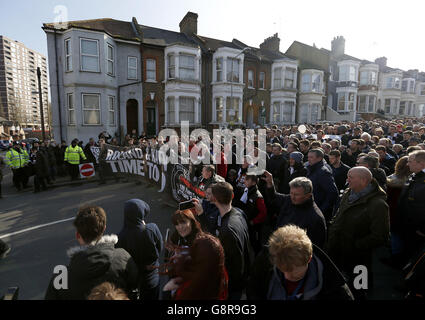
<point x="15" y="159"/>
<point x="358" y="228"/>
<point x="73" y="155"/>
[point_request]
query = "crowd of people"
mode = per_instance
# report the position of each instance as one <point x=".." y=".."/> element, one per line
<point x="329" y="197"/>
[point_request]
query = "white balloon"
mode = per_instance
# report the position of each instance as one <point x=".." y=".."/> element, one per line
<point x="302" y="129"/>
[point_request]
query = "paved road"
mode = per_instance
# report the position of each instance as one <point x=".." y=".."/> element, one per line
<point x="35" y="253"/>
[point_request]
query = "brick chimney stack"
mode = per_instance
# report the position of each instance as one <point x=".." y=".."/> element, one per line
<point x="338" y="46"/>
<point x="189" y="24"/>
<point x="381" y="62"/>
<point x="271" y="43"/>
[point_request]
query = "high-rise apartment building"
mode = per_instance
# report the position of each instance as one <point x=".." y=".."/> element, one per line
<point x="19" y="99"/>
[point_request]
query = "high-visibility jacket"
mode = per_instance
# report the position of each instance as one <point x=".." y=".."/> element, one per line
<point x="15" y="159"/>
<point x="73" y="155"/>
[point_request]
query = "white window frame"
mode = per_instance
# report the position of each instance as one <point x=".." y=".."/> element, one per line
<point x="111" y="110"/>
<point x="84" y="109"/>
<point x="219" y="101"/>
<point x="109" y="60"/>
<point x="290" y="71"/>
<point x="273" y="112"/>
<point x="219" y="71"/>
<point x="277" y="75"/>
<point x="231" y="71"/>
<point x="193" y="70"/>
<point x="237" y="108"/>
<point x="132" y="68"/>
<point x="150" y="70"/>
<point x="291" y="105"/>
<point x="187" y="98"/>
<point x="89" y="55"/>
<point x="70" y="108"/>
<point x="308" y="88"/>
<point x="171" y="67"/>
<point x="315" y="76"/>
<point x="68" y="55"/>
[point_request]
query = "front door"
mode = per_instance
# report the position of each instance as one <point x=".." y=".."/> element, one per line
<point x="132" y="116"/>
<point x="151" y="124"/>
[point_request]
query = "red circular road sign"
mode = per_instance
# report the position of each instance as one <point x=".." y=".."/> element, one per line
<point x="87" y="170"/>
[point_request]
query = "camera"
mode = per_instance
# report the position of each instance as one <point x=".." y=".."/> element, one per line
<point x="186" y="205"/>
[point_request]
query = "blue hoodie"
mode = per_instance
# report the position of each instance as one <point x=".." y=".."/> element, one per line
<point x="144" y="243"/>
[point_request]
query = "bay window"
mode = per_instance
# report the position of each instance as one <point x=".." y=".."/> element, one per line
<point x="276" y="112"/>
<point x="371" y="107"/>
<point x="171" y="66"/>
<point x="219" y="69"/>
<point x="402" y="108"/>
<point x="71" y="108"/>
<point x="111" y="108"/>
<point x="304" y="113"/>
<point x="232" y="70"/>
<point x="316" y="83"/>
<point x="91" y="109"/>
<point x="347" y="73"/>
<point x="110" y="59"/>
<point x="187" y="67"/>
<point x="219" y="109"/>
<point x="362" y="103"/>
<point x="305" y="82"/>
<point x="289" y="77"/>
<point x="89" y="51"/>
<point x="232" y="109"/>
<point x="277" y="81"/>
<point x="287" y="111"/>
<point x="68" y="56"/>
<point x="187" y="109"/>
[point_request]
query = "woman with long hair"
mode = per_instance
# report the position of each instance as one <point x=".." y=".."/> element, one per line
<point x="187" y="228"/>
<point x="199" y="274"/>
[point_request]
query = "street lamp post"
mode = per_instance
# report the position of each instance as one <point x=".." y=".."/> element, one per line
<point x="231" y="77"/>
<point x="40" y="95"/>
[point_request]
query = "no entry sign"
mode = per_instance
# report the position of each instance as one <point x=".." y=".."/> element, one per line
<point x="87" y="170"/>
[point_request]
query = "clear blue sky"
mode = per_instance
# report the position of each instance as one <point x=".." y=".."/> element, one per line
<point x="372" y="28"/>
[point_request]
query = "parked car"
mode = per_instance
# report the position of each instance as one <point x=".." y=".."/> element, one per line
<point x="4" y="144"/>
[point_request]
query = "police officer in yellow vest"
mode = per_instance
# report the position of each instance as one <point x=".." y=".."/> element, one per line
<point x="17" y="159"/>
<point x="73" y="154"/>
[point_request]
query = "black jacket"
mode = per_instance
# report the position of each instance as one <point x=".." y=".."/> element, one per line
<point x="412" y="203"/>
<point x="41" y="165"/>
<point x="208" y="219"/>
<point x="144" y="243"/>
<point x="234" y="237"/>
<point x="329" y="283"/>
<point x="324" y="188"/>
<point x="340" y="175"/>
<point x="358" y="228"/>
<point x="306" y="216"/>
<point x="203" y="184"/>
<point x="277" y="166"/>
<point x="299" y="171"/>
<point x="380" y="176"/>
<point x="92" y="265"/>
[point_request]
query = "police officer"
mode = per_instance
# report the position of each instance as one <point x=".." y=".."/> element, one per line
<point x="73" y="154"/>
<point x="17" y="159"/>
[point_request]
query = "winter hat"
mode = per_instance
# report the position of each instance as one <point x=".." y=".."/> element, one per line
<point x="297" y="156"/>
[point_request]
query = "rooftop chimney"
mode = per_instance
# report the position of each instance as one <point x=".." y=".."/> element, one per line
<point x="271" y="43"/>
<point x="189" y="24"/>
<point x="338" y="46"/>
<point x="381" y="62"/>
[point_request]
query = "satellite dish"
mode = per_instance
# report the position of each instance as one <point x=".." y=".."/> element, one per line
<point x="302" y="129"/>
